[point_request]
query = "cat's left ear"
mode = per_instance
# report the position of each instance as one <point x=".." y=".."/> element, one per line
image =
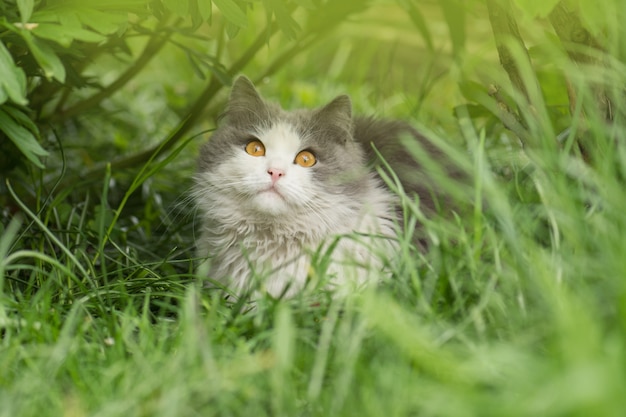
<point x="245" y="105"/>
<point x="337" y="113"/>
<point x="340" y="107"/>
<point x="243" y="94"/>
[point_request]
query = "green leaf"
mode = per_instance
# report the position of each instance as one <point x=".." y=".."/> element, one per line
<point x="12" y="79"/>
<point x="104" y="23"/>
<point x="65" y="35"/>
<point x="420" y="23"/>
<point x="205" y="7"/>
<point x="284" y="20"/>
<point x="69" y="19"/>
<point x="180" y="7"/>
<point x="331" y="13"/>
<point x="474" y="111"/>
<point x="45" y="57"/>
<point x="473" y="91"/>
<point x="307" y="4"/>
<point x="22" y="138"/>
<point x="76" y="23"/>
<point x="232" y="30"/>
<point x="594" y="14"/>
<point x="196" y="17"/>
<point x="26" y="9"/>
<point x="232" y="12"/>
<point x="477" y="93"/>
<point x="539" y="8"/>
<point x="454" y="13"/>
<point x="46" y="16"/>
<point x="21" y="118"/>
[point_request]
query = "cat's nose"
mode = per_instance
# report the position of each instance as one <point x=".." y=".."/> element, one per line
<point x="275" y="173"/>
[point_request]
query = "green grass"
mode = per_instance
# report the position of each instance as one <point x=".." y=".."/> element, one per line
<point x="518" y="309"/>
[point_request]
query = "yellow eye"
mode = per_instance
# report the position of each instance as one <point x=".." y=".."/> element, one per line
<point x="305" y="159"/>
<point x="255" y="148"/>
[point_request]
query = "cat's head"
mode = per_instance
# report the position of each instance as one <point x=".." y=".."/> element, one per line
<point x="272" y="162"/>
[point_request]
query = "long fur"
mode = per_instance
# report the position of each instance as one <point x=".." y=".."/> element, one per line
<point x="249" y="232"/>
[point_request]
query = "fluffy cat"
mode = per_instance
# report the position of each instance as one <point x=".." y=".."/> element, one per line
<point x="274" y="187"/>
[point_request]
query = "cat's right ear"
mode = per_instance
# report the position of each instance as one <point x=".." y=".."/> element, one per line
<point x="244" y="95"/>
<point x="336" y="114"/>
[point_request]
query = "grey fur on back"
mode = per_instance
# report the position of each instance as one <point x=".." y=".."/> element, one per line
<point x="385" y="136"/>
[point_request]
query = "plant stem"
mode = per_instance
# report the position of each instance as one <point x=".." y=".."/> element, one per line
<point x="156" y="42"/>
<point x="505" y="30"/>
<point x="577" y="40"/>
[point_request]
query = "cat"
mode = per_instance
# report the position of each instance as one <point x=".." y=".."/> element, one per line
<point x="275" y="187"/>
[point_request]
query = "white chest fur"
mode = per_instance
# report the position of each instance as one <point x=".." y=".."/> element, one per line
<point x="275" y="255"/>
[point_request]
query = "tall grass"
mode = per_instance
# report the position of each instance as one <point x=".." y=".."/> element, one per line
<point x="525" y="319"/>
<point x="517" y="309"/>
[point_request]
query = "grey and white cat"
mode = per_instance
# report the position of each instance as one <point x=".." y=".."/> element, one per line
<point x="275" y="186"/>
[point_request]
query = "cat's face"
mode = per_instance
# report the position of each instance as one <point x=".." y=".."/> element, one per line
<point x="267" y="161"/>
<point x="270" y="169"/>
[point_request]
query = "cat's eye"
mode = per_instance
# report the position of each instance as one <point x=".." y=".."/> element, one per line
<point x="255" y="148"/>
<point x="305" y="159"/>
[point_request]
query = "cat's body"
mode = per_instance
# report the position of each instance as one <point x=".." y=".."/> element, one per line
<point x="275" y="187"/>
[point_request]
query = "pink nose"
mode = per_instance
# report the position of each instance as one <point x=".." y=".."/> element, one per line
<point x="275" y="173"/>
